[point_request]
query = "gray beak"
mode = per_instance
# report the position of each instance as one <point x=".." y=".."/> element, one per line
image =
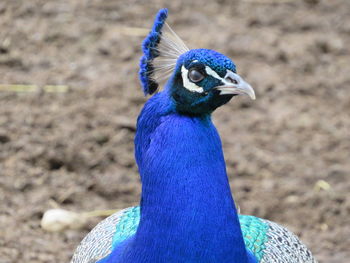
<point x="234" y="84"/>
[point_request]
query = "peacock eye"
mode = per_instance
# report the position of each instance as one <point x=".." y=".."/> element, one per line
<point x="195" y="76"/>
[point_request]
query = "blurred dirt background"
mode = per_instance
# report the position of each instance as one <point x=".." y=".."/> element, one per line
<point x="287" y="152"/>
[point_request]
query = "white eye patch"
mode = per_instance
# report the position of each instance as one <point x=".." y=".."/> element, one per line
<point x="212" y="73"/>
<point x="187" y="83"/>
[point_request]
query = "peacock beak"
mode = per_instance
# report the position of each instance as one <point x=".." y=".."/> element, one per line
<point x="235" y="85"/>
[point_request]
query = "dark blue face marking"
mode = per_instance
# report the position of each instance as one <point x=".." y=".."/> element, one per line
<point x="208" y="81"/>
<point x="198" y="103"/>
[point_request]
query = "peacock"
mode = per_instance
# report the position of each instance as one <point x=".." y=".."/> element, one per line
<point x="186" y="213"/>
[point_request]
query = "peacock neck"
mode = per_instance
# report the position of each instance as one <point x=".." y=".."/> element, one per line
<point x="187" y="211"/>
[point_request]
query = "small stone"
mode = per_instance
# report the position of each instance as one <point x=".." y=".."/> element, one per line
<point x="57" y="220"/>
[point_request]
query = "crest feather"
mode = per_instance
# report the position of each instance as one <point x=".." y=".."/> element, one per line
<point x="161" y="48"/>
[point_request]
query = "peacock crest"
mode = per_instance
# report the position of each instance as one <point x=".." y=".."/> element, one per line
<point x="161" y="48"/>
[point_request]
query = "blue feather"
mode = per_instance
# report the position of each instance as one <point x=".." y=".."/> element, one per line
<point x="150" y="52"/>
<point x="186" y="199"/>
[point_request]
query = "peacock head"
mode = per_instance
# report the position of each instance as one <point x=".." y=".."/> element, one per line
<point x="199" y="80"/>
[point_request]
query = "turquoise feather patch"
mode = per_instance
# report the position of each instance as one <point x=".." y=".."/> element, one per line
<point x="254" y="233"/>
<point x="127" y="225"/>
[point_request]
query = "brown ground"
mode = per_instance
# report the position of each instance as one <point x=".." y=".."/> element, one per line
<point x="76" y="149"/>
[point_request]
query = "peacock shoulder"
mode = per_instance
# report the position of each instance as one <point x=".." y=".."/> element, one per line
<point x="268" y="241"/>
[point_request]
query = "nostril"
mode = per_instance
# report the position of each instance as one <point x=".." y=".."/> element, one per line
<point x="231" y="80"/>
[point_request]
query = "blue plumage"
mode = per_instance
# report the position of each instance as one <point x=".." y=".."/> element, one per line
<point x="187" y="213"/>
<point x="217" y="61"/>
<point x="186" y="200"/>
